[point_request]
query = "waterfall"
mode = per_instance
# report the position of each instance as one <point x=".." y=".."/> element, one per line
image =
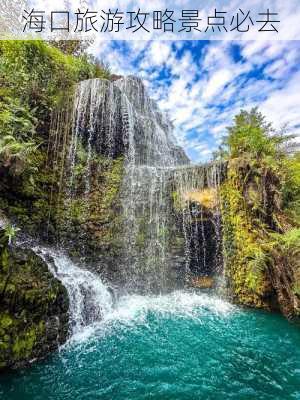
<point x="89" y="298"/>
<point x="113" y="119"/>
<point x="94" y="306"/>
<point x="151" y="154"/>
<point x="197" y="188"/>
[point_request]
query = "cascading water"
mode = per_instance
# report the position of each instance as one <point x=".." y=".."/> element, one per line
<point x="118" y="118"/>
<point x="146" y="343"/>
<point x="112" y="118"/>
<point x="180" y="345"/>
<point x="94" y="306"/>
<point x="197" y="189"/>
<point x="151" y="155"/>
<point x="89" y="298"/>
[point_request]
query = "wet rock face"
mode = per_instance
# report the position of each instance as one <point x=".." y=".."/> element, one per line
<point x="33" y="308"/>
<point x="99" y="120"/>
<point x="196" y="205"/>
<point x="116" y="180"/>
<point x="118" y="118"/>
<point x="204" y="243"/>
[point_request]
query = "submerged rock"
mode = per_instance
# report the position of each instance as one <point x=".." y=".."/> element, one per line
<point x="33" y="308"/>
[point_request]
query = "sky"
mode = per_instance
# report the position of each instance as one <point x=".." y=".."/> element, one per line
<point x="202" y="85"/>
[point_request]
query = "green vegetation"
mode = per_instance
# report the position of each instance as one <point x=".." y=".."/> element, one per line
<point x="10" y="233"/>
<point x="93" y="218"/>
<point x="260" y="199"/>
<point x="36" y="78"/>
<point x="260" y="196"/>
<point x="37" y="85"/>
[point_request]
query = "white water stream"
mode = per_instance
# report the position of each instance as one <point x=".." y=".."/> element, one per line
<point x="94" y="305"/>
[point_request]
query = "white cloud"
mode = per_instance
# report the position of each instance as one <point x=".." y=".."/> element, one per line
<point x="202" y="90"/>
<point x="217" y="82"/>
<point x="159" y="53"/>
<point x="283" y="105"/>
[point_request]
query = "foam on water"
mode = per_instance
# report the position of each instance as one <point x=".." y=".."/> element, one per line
<point x="93" y="307"/>
<point x="183" y="304"/>
<point x="182" y="345"/>
<point x="90" y="299"/>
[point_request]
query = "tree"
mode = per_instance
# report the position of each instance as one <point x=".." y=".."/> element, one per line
<point x="250" y="134"/>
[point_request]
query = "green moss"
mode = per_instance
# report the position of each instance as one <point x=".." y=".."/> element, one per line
<point x="24" y="343"/>
<point x="4" y="261"/>
<point x="30" y="298"/>
<point x="94" y="217"/>
<point x="141" y="240"/>
<point x="77" y="209"/>
<point x="245" y="245"/>
<point x="5" y="321"/>
<point x="296" y="288"/>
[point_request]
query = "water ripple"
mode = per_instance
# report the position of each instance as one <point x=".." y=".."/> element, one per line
<point x="177" y="346"/>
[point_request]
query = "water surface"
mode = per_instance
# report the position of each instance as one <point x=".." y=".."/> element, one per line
<point x="179" y="346"/>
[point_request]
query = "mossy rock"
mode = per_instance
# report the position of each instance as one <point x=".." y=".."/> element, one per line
<point x="33" y="309"/>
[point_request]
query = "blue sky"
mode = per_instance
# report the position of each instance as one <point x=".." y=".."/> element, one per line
<point x="202" y="85"/>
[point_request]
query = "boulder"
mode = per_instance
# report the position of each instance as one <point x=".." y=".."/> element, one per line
<point x="33" y="308"/>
